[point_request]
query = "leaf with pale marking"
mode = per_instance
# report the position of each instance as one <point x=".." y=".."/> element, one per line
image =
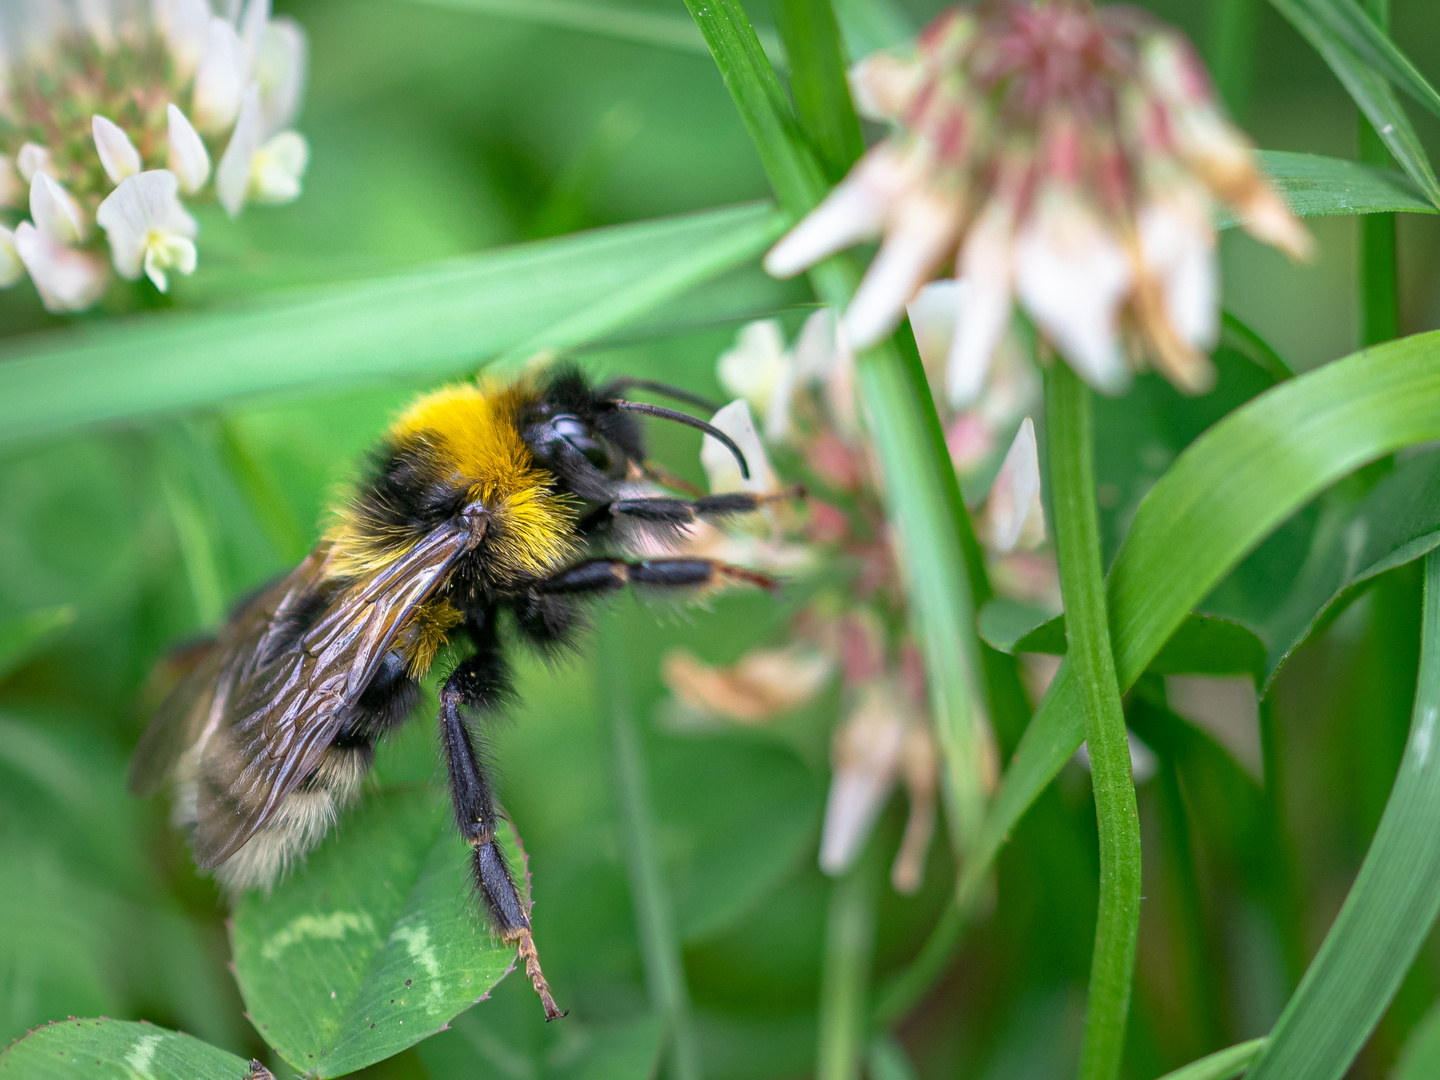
<point x="120" y="1050"/>
<point x="374" y="944"/>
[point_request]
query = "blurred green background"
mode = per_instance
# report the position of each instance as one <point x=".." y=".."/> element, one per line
<point x="442" y="132"/>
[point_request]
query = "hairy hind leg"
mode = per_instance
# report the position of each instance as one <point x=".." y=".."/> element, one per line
<point x="483" y="682"/>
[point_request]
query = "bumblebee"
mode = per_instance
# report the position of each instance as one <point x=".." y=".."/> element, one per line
<point x="489" y="512"/>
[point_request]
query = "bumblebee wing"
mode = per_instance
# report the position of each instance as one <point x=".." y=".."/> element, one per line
<point x="283" y="714"/>
<point x="190" y="706"/>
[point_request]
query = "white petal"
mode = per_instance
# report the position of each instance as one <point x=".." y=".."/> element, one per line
<point x="280" y="71"/>
<point x="1013" y="507"/>
<point x="146" y="225"/>
<point x="185" y="25"/>
<point x="1265" y="216"/>
<point x="118" y="156"/>
<point x="169" y="253"/>
<point x="818" y="348"/>
<point x="13" y="190"/>
<point x="11" y="268"/>
<point x="187" y="157"/>
<point x="867" y="751"/>
<point x="882" y="85"/>
<point x="220" y="80"/>
<point x="923" y="231"/>
<point x="751" y="368"/>
<point x="252" y="23"/>
<point x="721" y="469"/>
<point x="55" y="212"/>
<point x="277" y="167"/>
<point x="932" y="317"/>
<point x="1072" y="276"/>
<point x="1177" y="245"/>
<point x="68" y="279"/>
<point x="232" y="178"/>
<point x="31" y="159"/>
<point x="855" y="210"/>
<point x="986" y="267"/>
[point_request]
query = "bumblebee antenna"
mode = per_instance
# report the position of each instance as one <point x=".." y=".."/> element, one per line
<point x="674" y="393"/>
<point x="688" y="421"/>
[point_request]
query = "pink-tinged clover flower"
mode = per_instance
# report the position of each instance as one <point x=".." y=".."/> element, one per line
<point x="1063" y="156"/>
<point x="125" y="104"/>
<point x="850" y="644"/>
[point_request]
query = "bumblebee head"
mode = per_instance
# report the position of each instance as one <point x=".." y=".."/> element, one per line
<point x="589" y="438"/>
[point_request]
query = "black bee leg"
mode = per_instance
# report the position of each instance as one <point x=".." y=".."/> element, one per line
<point x="480" y="683"/>
<point x="596" y="576"/>
<point x="676" y="512"/>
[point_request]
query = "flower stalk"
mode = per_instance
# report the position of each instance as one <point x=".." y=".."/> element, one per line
<point x="654" y="917"/>
<point x="1070" y="428"/>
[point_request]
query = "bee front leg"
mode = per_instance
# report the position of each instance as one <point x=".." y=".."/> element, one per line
<point x="481" y="683"/>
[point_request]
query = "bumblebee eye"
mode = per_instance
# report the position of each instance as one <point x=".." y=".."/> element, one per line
<point x="578" y="435"/>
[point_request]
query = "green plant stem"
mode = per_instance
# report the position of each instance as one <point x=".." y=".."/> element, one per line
<point x="811" y="36"/>
<point x="654" y="919"/>
<point x="1070" y="429"/>
<point x="1379" y="285"/>
<point x="845" y="980"/>
<point x="1232" y="52"/>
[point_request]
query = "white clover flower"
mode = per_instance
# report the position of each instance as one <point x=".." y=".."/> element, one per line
<point x="1097" y="220"/>
<point x="148" y="228"/>
<point x="69" y="279"/>
<point x="170" y="116"/>
<point x="722" y="471"/>
<point x="762" y="371"/>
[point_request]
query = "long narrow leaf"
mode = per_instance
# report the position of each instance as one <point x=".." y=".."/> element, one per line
<point x="1228" y="491"/>
<point x="1390" y="909"/>
<point x="1221" y="1065"/>
<point x="661" y="29"/>
<point x="1348" y="21"/>
<point x="1317" y="186"/>
<point x="1370" y="92"/>
<point x="432" y="321"/>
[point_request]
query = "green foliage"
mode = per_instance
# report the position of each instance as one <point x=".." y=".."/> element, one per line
<point x="119" y="1050"/>
<point x="495" y="178"/>
<point x="375" y="946"/>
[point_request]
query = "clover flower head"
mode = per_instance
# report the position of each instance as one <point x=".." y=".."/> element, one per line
<point x="1060" y="155"/>
<point x="854" y="629"/>
<point x="112" y="110"/>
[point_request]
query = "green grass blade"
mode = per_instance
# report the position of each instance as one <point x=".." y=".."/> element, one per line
<point x="1349" y="22"/>
<point x="794" y="173"/>
<point x="1221" y="1065"/>
<point x="433" y="321"/>
<point x="667" y="282"/>
<point x="845" y="978"/>
<point x="817" y="81"/>
<point x="1318" y="186"/>
<point x="650" y="897"/>
<point x="1070" y="429"/>
<point x="1390" y="908"/>
<point x="657" y="28"/>
<point x="1370" y="92"/>
<point x="1224" y="494"/>
<point x="24" y="636"/>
